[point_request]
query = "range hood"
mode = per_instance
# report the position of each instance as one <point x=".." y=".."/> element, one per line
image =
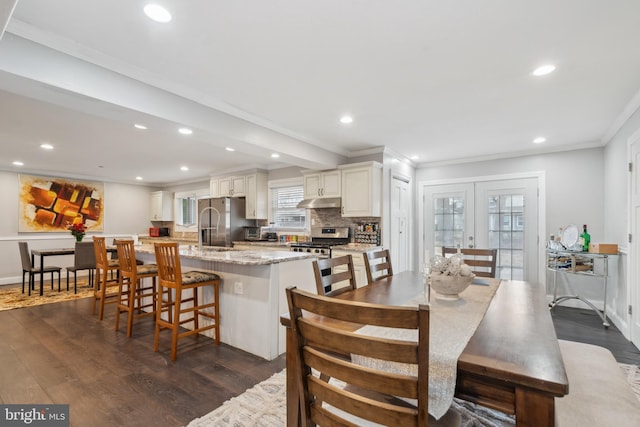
<point x="326" y="202"/>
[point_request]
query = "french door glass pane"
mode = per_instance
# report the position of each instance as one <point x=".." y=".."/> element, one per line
<point x="448" y="222"/>
<point x="506" y="233"/>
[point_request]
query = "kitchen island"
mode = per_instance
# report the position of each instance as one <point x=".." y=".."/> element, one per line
<point x="252" y="291"/>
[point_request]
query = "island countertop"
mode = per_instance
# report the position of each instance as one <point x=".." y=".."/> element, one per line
<point x="231" y="256"/>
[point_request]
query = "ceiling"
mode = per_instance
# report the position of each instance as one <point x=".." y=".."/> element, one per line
<point x="444" y="81"/>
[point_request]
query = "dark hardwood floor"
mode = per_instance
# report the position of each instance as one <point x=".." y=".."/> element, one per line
<point x="584" y="325"/>
<point x="60" y="353"/>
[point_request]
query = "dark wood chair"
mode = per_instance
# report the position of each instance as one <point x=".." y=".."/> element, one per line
<point x="330" y="272"/>
<point x="28" y="268"/>
<point x="134" y="297"/>
<point x="377" y="265"/>
<point x="360" y="393"/>
<point x="481" y="261"/>
<point x="105" y="290"/>
<point x="84" y="258"/>
<point x="183" y="307"/>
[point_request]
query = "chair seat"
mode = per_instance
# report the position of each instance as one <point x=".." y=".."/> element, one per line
<point x="113" y="263"/>
<point x="191" y="277"/>
<point x="147" y="269"/>
<point x="48" y="269"/>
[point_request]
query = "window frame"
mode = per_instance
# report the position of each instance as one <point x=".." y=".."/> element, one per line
<point x="201" y="193"/>
<point x="282" y="183"/>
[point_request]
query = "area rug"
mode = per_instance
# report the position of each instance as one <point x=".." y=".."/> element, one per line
<point x="264" y="405"/>
<point x="11" y="297"/>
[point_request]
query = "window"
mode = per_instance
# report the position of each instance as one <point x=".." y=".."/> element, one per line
<point x="285" y="196"/>
<point x="186" y="206"/>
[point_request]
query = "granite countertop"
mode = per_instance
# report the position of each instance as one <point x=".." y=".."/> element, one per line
<point x="233" y="256"/>
<point x="356" y="247"/>
<point x="272" y="244"/>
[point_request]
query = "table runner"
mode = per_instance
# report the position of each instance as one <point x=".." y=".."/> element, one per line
<point x="452" y="323"/>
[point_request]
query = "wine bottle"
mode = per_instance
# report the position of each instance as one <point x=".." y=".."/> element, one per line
<point x="585" y="238"/>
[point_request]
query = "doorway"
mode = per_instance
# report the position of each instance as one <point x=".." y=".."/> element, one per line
<point x="497" y="214"/>
<point x="633" y="293"/>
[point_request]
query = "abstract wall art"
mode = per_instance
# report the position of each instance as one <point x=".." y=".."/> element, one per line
<point x="53" y="204"/>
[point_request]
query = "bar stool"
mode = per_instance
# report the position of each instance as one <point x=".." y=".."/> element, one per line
<point x="131" y="291"/>
<point x="104" y="289"/>
<point x="171" y="278"/>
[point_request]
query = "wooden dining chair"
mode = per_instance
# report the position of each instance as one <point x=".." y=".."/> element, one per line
<point x="377" y="265"/>
<point x="105" y="290"/>
<point x="334" y="275"/>
<point x="28" y="268"/>
<point x="84" y="258"/>
<point x="135" y="298"/>
<point x="357" y="394"/>
<point x="482" y="261"/>
<point x="178" y="298"/>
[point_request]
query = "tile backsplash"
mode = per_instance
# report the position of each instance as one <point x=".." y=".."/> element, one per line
<point x="332" y="217"/>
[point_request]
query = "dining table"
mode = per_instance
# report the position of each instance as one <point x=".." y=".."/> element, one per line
<point x="511" y="362"/>
<point x="43" y="253"/>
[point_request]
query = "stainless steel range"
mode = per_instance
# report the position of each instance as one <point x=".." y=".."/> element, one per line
<point x="322" y="239"/>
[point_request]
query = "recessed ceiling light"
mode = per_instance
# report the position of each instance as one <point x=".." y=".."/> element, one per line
<point x="539" y="140"/>
<point x="275" y="155"/>
<point x="415" y="157"/>
<point x="230" y="149"/>
<point x="139" y="126"/>
<point x="184" y="168"/>
<point x="18" y="163"/>
<point x="157" y="13"/>
<point x="185" y="131"/>
<point x="139" y="178"/>
<point x="544" y="70"/>
<point x="46" y="146"/>
<point x="345" y="120"/>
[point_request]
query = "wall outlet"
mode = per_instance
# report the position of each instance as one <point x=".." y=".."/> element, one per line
<point x="238" y="288"/>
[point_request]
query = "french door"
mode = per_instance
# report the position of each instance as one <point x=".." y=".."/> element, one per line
<point x="497" y="214"/>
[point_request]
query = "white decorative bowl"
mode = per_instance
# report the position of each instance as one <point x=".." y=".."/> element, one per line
<point x="448" y="287"/>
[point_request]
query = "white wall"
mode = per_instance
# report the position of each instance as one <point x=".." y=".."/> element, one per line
<point x="126" y="209"/>
<point x="616" y="210"/>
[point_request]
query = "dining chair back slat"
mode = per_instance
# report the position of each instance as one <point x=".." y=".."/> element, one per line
<point x="330" y="272"/>
<point x="359" y="393"/>
<point x="377" y="265"/>
<point x="482" y="261"/>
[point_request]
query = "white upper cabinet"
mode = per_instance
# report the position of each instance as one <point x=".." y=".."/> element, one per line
<point x="232" y="186"/>
<point x="256" y="196"/>
<point x="361" y="189"/>
<point x="214" y="187"/>
<point x="322" y="184"/>
<point x="161" y="206"/>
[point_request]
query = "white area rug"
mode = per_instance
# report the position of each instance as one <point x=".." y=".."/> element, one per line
<point x="265" y="405"/>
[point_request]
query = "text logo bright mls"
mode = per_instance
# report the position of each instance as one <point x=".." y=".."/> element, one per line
<point x="34" y="415"/>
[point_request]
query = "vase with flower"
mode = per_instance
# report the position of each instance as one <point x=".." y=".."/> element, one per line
<point x="78" y="230"/>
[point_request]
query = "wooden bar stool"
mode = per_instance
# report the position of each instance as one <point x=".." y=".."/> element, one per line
<point x="131" y="290"/>
<point x="171" y="278"/>
<point x="104" y="291"/>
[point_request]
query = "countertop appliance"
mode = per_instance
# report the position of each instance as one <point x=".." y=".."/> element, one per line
<point x="221" y="221"/>
<point x="252" y="233"/>
<point x="322" y="239"/>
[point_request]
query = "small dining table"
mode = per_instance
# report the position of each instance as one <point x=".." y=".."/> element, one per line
<point x="512" y="362"/>
<point x="43" y="253"/>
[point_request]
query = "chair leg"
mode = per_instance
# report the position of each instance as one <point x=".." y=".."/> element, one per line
<point x="175" y="325"/>
<point x="23" y="273"/>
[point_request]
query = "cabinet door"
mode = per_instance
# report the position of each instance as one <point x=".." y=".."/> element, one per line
<point x="256" y="196"/>
<point x="214" y="188"/>
<point x="226" y="187"/>
<point x="331" y="184"/>
<point x="238" y="186"/>
<point x="155" y="207"/>
<point x="312" y="185"/>
<point x="361" y="191"/>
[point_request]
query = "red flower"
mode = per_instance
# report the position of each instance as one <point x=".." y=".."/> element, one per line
<point x="78" y="229"/>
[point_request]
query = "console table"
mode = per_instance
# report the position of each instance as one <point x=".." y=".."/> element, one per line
<point x="579" y="263"/>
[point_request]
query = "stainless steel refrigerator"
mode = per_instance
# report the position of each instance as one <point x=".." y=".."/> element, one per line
<point x="221" y="221"/>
